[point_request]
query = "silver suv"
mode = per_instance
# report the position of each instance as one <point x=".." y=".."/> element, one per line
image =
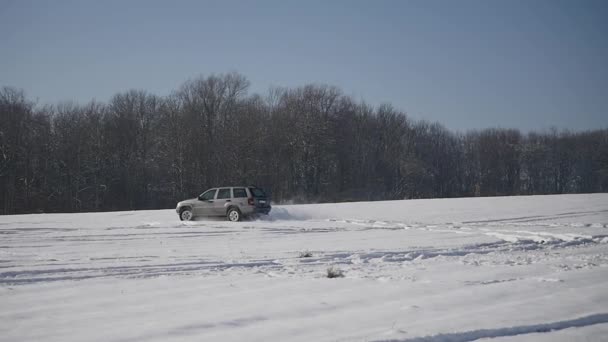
<point x="233" y="202"/>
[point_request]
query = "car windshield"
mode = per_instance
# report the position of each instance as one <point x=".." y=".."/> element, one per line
<point x="208" y="195"/>
<point x="257" y="192"/>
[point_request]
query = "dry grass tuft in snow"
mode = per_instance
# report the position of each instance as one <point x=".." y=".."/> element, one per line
<point x="334" y="272"/>
<point x="306" y="254"/>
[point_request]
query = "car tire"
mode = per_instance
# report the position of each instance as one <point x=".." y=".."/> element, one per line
<point x="233" y="215"/>
<point x="186" y="214"/>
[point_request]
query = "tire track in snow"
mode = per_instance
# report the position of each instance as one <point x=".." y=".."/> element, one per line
<point x="511" y="236"/>
<point x="21" y="277"/>
<point x="473" y="335"/>
<point x="508" y="243"/>
<point x="538" y="217"/>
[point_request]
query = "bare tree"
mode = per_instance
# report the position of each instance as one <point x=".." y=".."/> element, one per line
<point x="310" y="143"/>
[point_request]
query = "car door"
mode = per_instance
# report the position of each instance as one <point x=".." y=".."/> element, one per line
<point x="224" y="196"/>
<point x="204" y="205"/>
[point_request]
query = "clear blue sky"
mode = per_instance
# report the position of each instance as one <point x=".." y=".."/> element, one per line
<point x="467" y="64"/>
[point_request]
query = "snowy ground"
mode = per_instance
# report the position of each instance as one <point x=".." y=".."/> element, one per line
<point x="506" y="269"/>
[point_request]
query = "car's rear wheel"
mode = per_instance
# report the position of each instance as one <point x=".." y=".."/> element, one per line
<point x="234" y="215"/>
<point x="185" y="214"/>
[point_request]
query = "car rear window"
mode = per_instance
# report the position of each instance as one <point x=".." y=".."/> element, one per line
<point x="239" y="193"/>
<point x="224" y="193"/>
<point x="257" y="192"/>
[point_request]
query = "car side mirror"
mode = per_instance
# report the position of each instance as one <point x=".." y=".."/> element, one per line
<point x="200" y="198"/>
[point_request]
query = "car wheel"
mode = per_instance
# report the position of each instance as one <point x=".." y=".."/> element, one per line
<point x="185" y="214"/>
<point x="234" y="215"/>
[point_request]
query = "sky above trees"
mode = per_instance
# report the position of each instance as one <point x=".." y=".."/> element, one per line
<point x="467" y="64"/>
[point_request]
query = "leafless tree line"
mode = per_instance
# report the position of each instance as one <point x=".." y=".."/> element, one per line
<point x="308" y="144"/>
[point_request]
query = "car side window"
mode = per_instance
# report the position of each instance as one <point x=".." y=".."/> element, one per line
<point x="209" y="195"/>
<point x="223" y="194"/>
<point x="239" y="193"/>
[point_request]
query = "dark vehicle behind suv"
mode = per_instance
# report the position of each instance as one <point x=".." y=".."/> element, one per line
<point x="234" y="202"/>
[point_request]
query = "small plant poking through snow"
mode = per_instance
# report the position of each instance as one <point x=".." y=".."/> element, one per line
<point x="306" y="254"/>
<point x="334" y="272"/>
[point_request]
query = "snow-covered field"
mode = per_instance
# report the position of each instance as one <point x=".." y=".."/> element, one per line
<point x="506" y="269"/>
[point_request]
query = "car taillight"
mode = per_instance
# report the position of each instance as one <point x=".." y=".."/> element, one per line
<point x="250" y="201"/>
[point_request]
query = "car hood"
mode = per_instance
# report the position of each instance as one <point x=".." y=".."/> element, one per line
<point x="188" y="201"/>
